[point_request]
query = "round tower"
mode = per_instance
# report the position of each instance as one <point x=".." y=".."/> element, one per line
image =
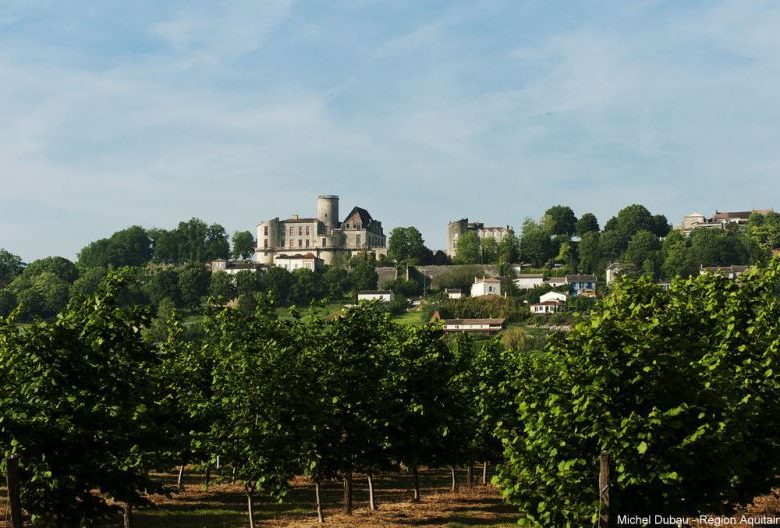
<point x="328" y="209"/>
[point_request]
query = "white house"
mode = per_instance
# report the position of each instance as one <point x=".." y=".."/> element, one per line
<point x="550" y="302"/>
<point x="453" y="293"/>
<point x="553" y="296"/>
<point x="529" y="281"/>
<point x="231" y="267"/>
<point x="376" y="295"/>
<point x="478" y="326"/>
<point x="486" y="286"/>
<point x="298" y="261"/>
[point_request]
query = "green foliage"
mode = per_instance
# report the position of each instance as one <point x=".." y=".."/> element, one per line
<point x="78" y="404"/>
<point x="457" y="277"/>
<point x="337" y="282"/>
<point x="535" y="244"/>
<point x="243" y="245"/>
<point x="488" y="306"/>
<point x="59" y="266"/>
<point x="644" y="248"/>
<point x="588" y="223"/>
<point x="307" y="286"/>
<point x="278" y="282"/>
<point x="405" y="287"/>
<point x="559" y="220"/>
<point x="11" y="266"/>
<point x="364" y="276"/>
<point x="406" y="245"/>
<point x="222" y="288"/>
<point x="87" y="284"/>
<point x="193" y="284"/>
<point x="508" y="250"/>
<point x="192" y="242"/>
<point x="129" y="247"/>
<point x="164" y="284"/>
<point x="589" y="252"/>
<point x="7" y="302"/>
<point x="672" y="384"/>
<point x="468" y="249"/>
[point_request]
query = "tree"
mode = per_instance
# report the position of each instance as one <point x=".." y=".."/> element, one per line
<point x="222" y="288"/>
<point x="509" y="249"/>
<point x="468" y="248"/>
<point x="559" y="220"/>
<point x="193" y="285"/>
<point x="249" y="282"/>
<point x="256" y="387"/>
<point x="716" y="247"/>
<point x="89" y="281"/>
<point x="606" y="388"/>
<point x="587" y="224"/>
<point x="589" y="252"/>
<point x="163" y="285"/>
<point x="128" y="247"/>
<point x="278" y="282"/>
<point x="489" y="250"/>
<point x="306" y="286"/>
<point x="336" y="282"/>
<point x="243" y="245"/>
<point x="59" y="266"/>
<point x="216" y="245"/>
<point x="7" y="302"/>
<point x="535" y="245"/>
<point x="406" y="245"/>
<point x="11" y="266"/>
<point x="677" y="257"/>
<point x="661" y="226"/>
<point x="364" y="276"/>
<point x="644" y="247"/>
<point x="79" y="399"/>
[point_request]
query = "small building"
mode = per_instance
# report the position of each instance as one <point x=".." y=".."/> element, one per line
<point x="298" y="261"/>
<point x="486" y="286"/>
<point x="476" y="326"/>
<point x="231" y="267"/>
<point x="555" y="282"/>
<point x="529" y="281"/>
<point x="553" y="296"/>
<point x="549" y="303"/>
<point x="582" y="284"/>
<point x="730" y="272"/>
<point x="376" y="295"/>
<point x="453" y="293"/>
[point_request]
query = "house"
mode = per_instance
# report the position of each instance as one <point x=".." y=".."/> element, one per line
<point x="582" y="284"/>
<point x="549" y="303"/>
<point x="555" y="282"/>
<point x="529" y="281"/>
<point x="376" y="295"/>
<point x="477" y="326"/>
<point x="453" y="293"/>
<point x="486" y="286"/>
<point x="730" y="272"/>
<point x="298" y="261"/>
<point x="720" y="220"/>
<point x="231" y="267"/>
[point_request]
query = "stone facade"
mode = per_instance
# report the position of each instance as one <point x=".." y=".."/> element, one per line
<point x="459" y="227"/>
<point x="325" y="236"/>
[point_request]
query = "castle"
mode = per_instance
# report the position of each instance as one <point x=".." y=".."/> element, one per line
<point x="324" y="236"/>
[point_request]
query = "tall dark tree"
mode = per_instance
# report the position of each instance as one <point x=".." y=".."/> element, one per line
<point x="10" y="267"/>
<point x="588" y="223"/>
<point x="364" y="276"/>
<point x="535" y="245"/>
<point x="59" y="266"/>
<point x="406" y="245"/>
<point x="560" y="220"/>
<point x="243" y="245"/>
<point x="468" y="249"/>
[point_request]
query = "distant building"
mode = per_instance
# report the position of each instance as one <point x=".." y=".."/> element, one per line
<point x="231" y="267"/>
<point x="459" y="227"/>
<point x="376" y="295"/>
<point x="476" y="326"/>
<point x="325" y="236"/>
<point x="578" y="284"/>
<point x="486" y="286"/>
<point x="549" y="303"/>
<point x="453" y="293"/>
<point x="720" y="220"/>
<point x="298" y="261"/>
<point x="730" y="272"/>
<point x="529" y="281"/>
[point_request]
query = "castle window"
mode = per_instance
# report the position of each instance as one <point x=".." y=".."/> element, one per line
<point x="324" y="242"/>
<point x="307" y="241"/>
<point x="265" y="242"/>
<point x="291" y="231"/>
<point x="357" y="240"/>
<point x="265" y="230"/>
<point x="300" y="230"/>
<point x="300" y="242"/>
<point x="307" y="232"/>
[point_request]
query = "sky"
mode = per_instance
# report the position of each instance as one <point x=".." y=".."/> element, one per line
<point x="150" y="112"/>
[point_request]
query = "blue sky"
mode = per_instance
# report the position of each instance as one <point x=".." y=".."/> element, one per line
<point x="148" y="112"/>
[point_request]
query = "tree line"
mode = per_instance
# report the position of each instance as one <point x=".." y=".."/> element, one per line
<point x="642" y="243"/>
<point x="680" y="387"/>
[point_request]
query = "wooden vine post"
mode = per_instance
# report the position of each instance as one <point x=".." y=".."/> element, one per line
<point x="14" y="491"/>
<point x="604" y="491"/>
